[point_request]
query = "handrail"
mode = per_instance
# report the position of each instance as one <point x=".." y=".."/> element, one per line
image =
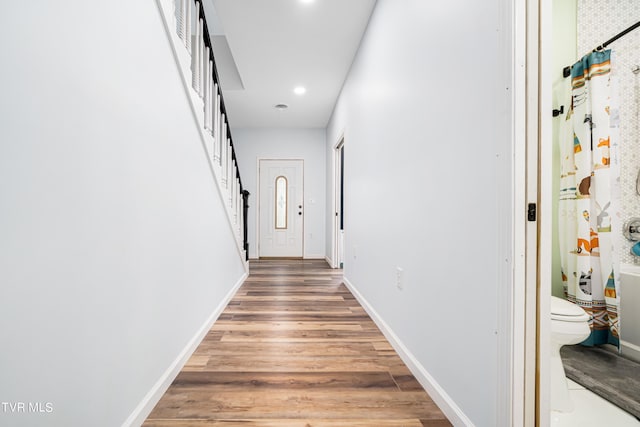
<point x="216" y="120"/>
<point x="216" y="79"/>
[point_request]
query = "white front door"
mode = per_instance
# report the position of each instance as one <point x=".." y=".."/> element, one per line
<point x="280" y="212"/>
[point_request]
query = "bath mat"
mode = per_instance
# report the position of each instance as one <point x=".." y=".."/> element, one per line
<point x="606" y="374"/>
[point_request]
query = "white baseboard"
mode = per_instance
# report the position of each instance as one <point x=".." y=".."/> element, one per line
<point x="144" y="408"/>
<point x="437" y="393"/>
<point x="314" y="257"/>
<point x="329" y="261"/>
<point x="630" y="350"/>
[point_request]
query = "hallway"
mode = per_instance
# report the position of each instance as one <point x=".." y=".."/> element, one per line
<point x="294" y="348"/>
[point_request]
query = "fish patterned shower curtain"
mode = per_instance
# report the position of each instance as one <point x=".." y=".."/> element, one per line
<point x="589" y="196"/>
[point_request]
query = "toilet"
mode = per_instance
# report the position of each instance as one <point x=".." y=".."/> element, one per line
<point x="569" y="325"/>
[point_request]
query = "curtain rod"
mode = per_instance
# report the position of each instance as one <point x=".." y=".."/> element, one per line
<point x="566" y="71"/>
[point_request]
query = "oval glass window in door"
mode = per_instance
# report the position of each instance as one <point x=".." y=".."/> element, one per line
<point x="281" y="203"/>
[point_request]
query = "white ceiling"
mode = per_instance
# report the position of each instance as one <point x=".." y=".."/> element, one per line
<point x="280" y="44"/>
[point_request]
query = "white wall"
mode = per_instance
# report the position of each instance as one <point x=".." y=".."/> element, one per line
<point x="115" y="247"/>
<point x="306" y="144"/>
<point x="425" y="115"/>
<point x="564" y="53"/>
<point x="612" y="20"/>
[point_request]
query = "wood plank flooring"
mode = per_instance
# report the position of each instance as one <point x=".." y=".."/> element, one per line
<point x="295" y="349"/>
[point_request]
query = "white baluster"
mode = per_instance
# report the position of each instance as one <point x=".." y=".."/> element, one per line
<point x="195" y="54"/>
<point x="241" y="222"/>
<point x="232" y="193"/>
<point x="207" y="90"/>
<point x="216" y="130"/>
<point x="202" y="59"/>
<point x="235" y="198"/>
<point x="214" y="111"/>
<point x="179" y="11"/>
<point x="236" y="192"/>
<point x="238" y="203"/>
<point x="229" y="160"/>
<point x="223" y="140"/>
<point x="223" y="163"/>
<point x="223" y="135"/>
<point x="211" y="95"/>
<point x="188" y="18"/>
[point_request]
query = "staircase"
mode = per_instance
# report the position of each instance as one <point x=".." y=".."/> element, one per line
<point x="187" y="29"/>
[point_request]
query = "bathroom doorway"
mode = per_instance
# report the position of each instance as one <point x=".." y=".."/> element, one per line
<point x="566" y="36"/>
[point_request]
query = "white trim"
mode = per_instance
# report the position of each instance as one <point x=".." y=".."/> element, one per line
<point x="431" y="386"/>
<point x="329" y="261"/>
<point x="530" y="358"/>
<point x="183" y="62"/>
<point x="340" y="139"/>
<point x="334" y="201"/>
<point x="510" y="220"/>
<point x="544" y="92"/>
<point x="318" y="256"/>
<point x="630" y="350"/>
<point x="522" y="384"/>
<point x="257" y="204"/>
<point x="629" y="269"/>
<point x="144" y="408"/>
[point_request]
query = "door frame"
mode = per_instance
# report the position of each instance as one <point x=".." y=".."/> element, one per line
<point x="528" y="338"/>
<point x="337" y="193"/>
<point x="333" y="174"/>
<point x="534" y="180"/>
<point x="258" y="207"/>
<point x="545" y="194"/>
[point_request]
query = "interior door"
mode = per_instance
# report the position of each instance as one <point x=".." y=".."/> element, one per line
<point x="281" y="208"/>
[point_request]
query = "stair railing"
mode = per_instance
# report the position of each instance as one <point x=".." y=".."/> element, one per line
<point x="192" y="30"/>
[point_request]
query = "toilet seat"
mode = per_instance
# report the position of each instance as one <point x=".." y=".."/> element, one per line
<point x="565" y="311"/>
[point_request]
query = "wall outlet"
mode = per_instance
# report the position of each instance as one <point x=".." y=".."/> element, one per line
<point x="399" y="278"/>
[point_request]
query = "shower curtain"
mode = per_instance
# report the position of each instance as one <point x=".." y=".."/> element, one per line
<point x="589" y="196"/>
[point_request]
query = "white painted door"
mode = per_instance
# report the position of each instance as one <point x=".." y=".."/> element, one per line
<point x="281" y="210"/>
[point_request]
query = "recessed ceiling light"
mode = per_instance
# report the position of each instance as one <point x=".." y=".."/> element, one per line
<point x="300" y="90"/>
<point x="281" y="107"/>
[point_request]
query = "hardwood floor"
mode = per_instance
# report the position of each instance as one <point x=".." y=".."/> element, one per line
<point x="295" y="349"/>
